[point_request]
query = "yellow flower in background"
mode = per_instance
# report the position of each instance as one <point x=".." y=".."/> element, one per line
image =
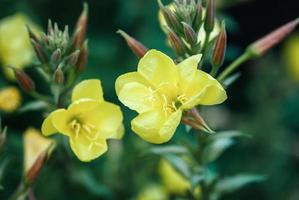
<point x="88" y="122"/>
<point x="175" y="183"/>
<point x="291" y="56"/>
<point x="34" y="145"/>
<point x="160" y="91"/>
<point x="201" y="34"/>
<point x="15" y="48"/>
<point x="10" y="99"/>
<point x="152" y="192"/>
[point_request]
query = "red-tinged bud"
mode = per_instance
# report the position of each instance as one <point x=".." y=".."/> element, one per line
<point x="25" y="82"/>
<point x="261" y="46"/>
<point x="176" y="43"/>
<point x="73" y="58"/>
<point x="56" y="56"/>
<point x="39" y="51"/>
<point x="137" y="47"/>
<point x="220" y="48"/>
<point x="83" y="57"/>
<point x="170" y="18"/>
<point x="31" y="34"/>
<point x="34" y="171"/>
<point x="81" y="27"/>
<point x="210" y="16"/>
<point x="58" y="76"/>
<point x="190" y="35"/>
<point x="197" y="21"/>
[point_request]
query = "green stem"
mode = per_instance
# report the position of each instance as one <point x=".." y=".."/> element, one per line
<point x="228" y="70"/>
<point x="21" y="192"/>
<point x="41" y="97"/>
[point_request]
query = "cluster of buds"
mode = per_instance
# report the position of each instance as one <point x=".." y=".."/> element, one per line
<point x="61" y="56"/>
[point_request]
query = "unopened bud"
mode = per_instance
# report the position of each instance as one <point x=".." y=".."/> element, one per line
<point x="34" y="171"/>
<point x="31" y="34"/>
<point x="58" y="76"/>
<point x="81" y="27"/>
<point x="261" y="46"/>
<point x="56" y="56"/>
<point x="41" y="55"/>
<point x="137" y="47"/>
<point x="176" y="43"/>
<point x="73" y="58"/>
<point x="210" y="16"/>
<point x="25" y="82"/>
<point x="170" y="18"/>
<point x="220" y="48"/>
<point x="190" y="35"/>
<point x="197" y="21"/>
<point x="82" y="60"/>
<point x="50" y="28"/>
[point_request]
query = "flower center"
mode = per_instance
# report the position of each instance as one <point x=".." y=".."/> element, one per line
<point x="78" y="127"/>
<point x="174" y="104"/>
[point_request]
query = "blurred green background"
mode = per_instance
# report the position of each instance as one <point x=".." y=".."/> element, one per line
<point x="264" y="102"/>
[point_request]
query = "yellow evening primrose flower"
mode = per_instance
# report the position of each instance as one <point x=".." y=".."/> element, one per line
<point x="10" y="99"/>
<point x="160" y="91"/>
<point x="15" y="47"/>
<point x="34" y="145"/>
<point x="175" y="183"/>
<point x="291" y="56"/>
<point x="88" y="122"/>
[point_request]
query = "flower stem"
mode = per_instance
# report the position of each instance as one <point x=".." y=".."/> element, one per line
<point x="21" y="192"/>
<point x="234" y="65"/>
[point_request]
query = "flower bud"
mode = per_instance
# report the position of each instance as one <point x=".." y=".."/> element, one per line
<point x="58" y="76"/>
<point x="176" y="43"/>
<point x="31" y="34"/>
<point x="170" y="18"/>
<point x="190" y="35"/>
<point x="34" y="171"/>
<point x="137" y="47"/>
<point x="197" y="21"/>
<point x="25" y="82"/>
<point x="50" y="28"/>
<point x="73" y="58"/>
<point x="220" y="48"/>
<point x="81" y="27"/>
<point x="210" y="16"/>
<point x="41" y="55"/>
<point x="56" y="56"/>
<point x="264" y="44"/>
<point x="82" y="60"/>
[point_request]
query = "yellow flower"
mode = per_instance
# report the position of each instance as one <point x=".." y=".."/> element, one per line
<point x="88" y="122"/>
<point x="10" y="99"/>
<point x="34" y="145"/>
<point x="291" y="56"/>
<point x="152" y="192"/>
<point x="15" y="48"/>
<point x="201" y="33"/>
<point x="175" y="183"/>
<point x="160" y="91"/>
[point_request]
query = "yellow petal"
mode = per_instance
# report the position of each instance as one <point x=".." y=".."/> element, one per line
<point x="187" y="70"/>
<point x="60" y="121"/>
<point x="154" y="127"/>
<point x="47" y="126"/>
<point x="10" y="99"/>
<point x="204" y="90"/>
<point x="107" y="117"/>
<point x="34" y="145"/>
<point x="91" y="89"/>
<point x="129" y="78"/>
<point x="158" y="68"/>
<point x="90" y="151"/>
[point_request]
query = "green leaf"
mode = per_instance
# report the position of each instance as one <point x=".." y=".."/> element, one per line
<point x="169" y="149"/>
<point x="231" y="79"/>
<point x="180" y="165"/>
<point x="33" y="106"/>
<point x="227" y="134"/>
<point x="233" y="183"/>
<point x="216" y="148"/>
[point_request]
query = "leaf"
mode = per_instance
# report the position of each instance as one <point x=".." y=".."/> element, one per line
<point x="215" y="149"/>
<point x="227" y="134"/>
<point x="231" y="79"/>
<point x="233" y="183"/>
<point x="33" y="106"/>
<point x="179" y="165"/>
<point x="169" y="149"/>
